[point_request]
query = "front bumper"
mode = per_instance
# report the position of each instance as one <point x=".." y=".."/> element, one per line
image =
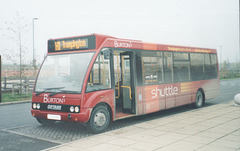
<point x="81" y="117"/>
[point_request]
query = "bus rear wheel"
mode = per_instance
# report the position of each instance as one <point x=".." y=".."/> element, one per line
<point x="45" y="121"/>
<point x="99" y="120"/>
<point x="199" y="102"/>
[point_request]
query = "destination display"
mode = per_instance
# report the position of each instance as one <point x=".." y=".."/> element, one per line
<point x="72" y="44"/>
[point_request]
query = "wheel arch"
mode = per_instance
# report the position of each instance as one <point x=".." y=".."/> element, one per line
<point x="105" y="105"/>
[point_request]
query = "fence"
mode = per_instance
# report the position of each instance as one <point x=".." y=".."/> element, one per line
<point x="15" y="86"/>
<point x="225" y="74"/>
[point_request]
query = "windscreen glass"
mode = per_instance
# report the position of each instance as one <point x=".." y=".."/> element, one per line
<point x="63" y="72"/>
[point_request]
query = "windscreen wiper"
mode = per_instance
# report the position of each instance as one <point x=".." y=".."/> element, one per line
<point x="62" y="91"/>
<point x="56" y="88"/>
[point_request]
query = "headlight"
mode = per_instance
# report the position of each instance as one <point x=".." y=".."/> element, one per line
<point x="71" y="109"/>
<point x="38" y="106"/>
<point x="76" y="109"/>
<point x="34" y="106"/>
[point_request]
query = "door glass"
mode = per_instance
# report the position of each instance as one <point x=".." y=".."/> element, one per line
<point x="124" y="92"/>
<point x="126" y="71"/>
<point x="117" y="72"/>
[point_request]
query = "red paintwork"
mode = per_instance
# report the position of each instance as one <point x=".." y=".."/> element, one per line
<point x="82" y="117"/>
<point x="146" y="99"/>
<point x="153" y="98"/>
<point x="72" y="99"/>
<point x="93" y="98"/>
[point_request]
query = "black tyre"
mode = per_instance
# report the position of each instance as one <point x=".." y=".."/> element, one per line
<point x="45" y="121"/>
<point x="99" y="120"/>
<point x="199" y="100"/>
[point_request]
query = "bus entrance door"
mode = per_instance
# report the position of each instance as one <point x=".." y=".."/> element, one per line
<point x="124" y="85"/>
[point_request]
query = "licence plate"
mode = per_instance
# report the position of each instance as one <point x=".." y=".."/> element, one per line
<point x="54" y="117"/>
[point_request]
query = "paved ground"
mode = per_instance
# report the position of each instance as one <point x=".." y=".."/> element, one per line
<point x="210" y="128"/>
<point x="63" y="132"/>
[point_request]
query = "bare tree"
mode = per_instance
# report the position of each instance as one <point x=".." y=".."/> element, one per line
<point x="15" y="32"/>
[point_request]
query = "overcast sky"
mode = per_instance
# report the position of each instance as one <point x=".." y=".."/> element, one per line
<point x="198" y="23"/>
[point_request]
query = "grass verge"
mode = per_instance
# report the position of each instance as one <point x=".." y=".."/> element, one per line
<point x="8" y="97"/>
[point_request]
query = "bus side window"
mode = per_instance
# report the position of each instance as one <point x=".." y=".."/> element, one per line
<point x="139" y="69"/>
<point x="181" y="67"/>
<point x="152" y="67"/>
<point x="213" y="58"/>
<point x="160" y="67"/>
<point x="207" y="67"/>
<point x="99" y="77"/>
<point x="197" y="62"/>
<point x="168" y="67"/>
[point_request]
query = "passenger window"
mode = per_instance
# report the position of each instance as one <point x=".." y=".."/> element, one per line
<point x="99" y="77"/>
<point x="213" y="58"/>
<point x="207" y="67"/>
<point x="197" y="62"/>
<point x="181" y="56"/>
<point x="181" y="71"/>
<point x="152" y="67"/>
<point x="168" y="65"/>
<point x="181" y="67"/>
<point x="210" y="66"/>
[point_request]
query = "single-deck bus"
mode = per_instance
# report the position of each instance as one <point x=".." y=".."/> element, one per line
<point x="96" y="79"/>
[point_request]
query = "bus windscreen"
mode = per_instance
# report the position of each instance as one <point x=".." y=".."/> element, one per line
<point x="63" y="72"/>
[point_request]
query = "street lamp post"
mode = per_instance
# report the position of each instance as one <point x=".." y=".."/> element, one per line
<point x="220" y="64"/>
<point x="34" y="61"/>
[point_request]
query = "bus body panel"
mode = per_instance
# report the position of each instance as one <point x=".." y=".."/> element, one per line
<point x="91" y="99"/>
<point x="211" y="88"/>
<point x="159" y="97"/>
<point x="133" y="44"/>
<point x="82" y="117"/>
<point x="61" y="100"/>
<point x="73" y="99"/>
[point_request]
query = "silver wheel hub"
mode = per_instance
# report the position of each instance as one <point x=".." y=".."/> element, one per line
<point x="199" y="99"/>
<point x="100" y="119"/>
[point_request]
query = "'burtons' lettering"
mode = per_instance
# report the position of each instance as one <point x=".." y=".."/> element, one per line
<point x="122" y="44"/>
<point x="46" y="99"/>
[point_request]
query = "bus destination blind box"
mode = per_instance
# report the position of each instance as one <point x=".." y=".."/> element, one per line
<point x="72" y="44"/>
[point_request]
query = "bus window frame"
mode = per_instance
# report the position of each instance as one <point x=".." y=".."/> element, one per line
<point x="200" y="65"/>
<point x="172" y="72"/>
<point x="154" y="54"/>
<point x="110" y="72"/>
<point x="188" y="61"/>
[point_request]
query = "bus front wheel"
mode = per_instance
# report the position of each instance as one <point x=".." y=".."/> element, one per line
<point x="99" y="120"/>
<point x="199" y="99"/>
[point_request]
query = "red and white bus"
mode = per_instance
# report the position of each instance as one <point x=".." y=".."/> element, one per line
<point x="96" y="79"/>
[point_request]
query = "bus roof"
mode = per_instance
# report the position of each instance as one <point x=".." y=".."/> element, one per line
<point x="133" y="44"/>
<point x="96" y="41"/>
